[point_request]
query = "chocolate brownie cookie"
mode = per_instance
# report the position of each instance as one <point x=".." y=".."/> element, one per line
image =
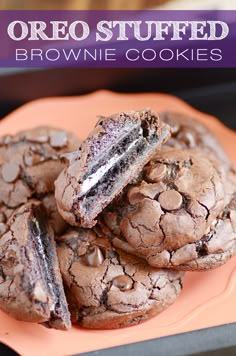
<point x="30" y="282"/>
<point x="190" y="133"/>
<point x="178" y="198"/>
<point x="109" y="288"/>
<point x="30" y="163"/>
<point x="110" y="158"/>
<point x="54" y="218"/>
<point x="215" y="248"/>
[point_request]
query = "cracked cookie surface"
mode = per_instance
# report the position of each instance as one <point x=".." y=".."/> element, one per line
<point x="29" y="164"/>
<point x="178" y="197"/>
<point x="215" y="248"/>
<point x="30" y="282"/>
<point x="190" y="133"/>
<point x="111" y="157"/>
<point x="108" y="288"/>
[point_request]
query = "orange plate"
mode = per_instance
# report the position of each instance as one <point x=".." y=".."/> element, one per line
<point x="208" y="298"/>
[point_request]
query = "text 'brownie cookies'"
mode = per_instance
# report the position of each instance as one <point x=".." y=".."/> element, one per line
<point x="108" y="288"/>
<point x="30" y="282"/>
<point x="110" y="158"/>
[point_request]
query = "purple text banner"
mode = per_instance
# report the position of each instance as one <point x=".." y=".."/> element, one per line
<point x="118" y="39"/>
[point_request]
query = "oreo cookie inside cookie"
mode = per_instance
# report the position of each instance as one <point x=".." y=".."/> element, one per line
<point x="31" y="286"/>
<point x="46" y="254"/>
<point x="113" y="154"/>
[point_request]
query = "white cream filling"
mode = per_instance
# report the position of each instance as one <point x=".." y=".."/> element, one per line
<point x="94" y="178"/>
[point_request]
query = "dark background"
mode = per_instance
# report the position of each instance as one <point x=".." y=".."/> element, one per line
<point x="209" y="90"/>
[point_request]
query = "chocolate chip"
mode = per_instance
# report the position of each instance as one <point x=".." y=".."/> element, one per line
<point x="3" y="228"/>
<point x="136" y="194"/>
<point x="187" y="137"/>
<point x="175" y="128"/>
<point x="39" y="294"/>
<point x="170" y="200"/>
<point x="5" y="140"/>
<point x="110" y="220"/>
<point x="37" y="136"/>
<point x="169" y="118"/>
<point x="10" y="172"/>
<point x="156" y="172"/>
<point x="31" y="158"/>
<point x="69" y="158"/>
<point x="95" y="257"/>
<point x="123" y="283"/>
<point x="58" y="139"/>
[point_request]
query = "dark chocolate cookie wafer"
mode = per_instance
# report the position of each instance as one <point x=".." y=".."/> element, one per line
<point x="109" y="288"/>
<point x="110" y="158"/>
<point x="30" y="282"/>
<point x="177" y="200"/>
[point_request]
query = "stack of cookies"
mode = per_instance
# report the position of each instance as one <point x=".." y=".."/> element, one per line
<point x="141" y="200"/>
